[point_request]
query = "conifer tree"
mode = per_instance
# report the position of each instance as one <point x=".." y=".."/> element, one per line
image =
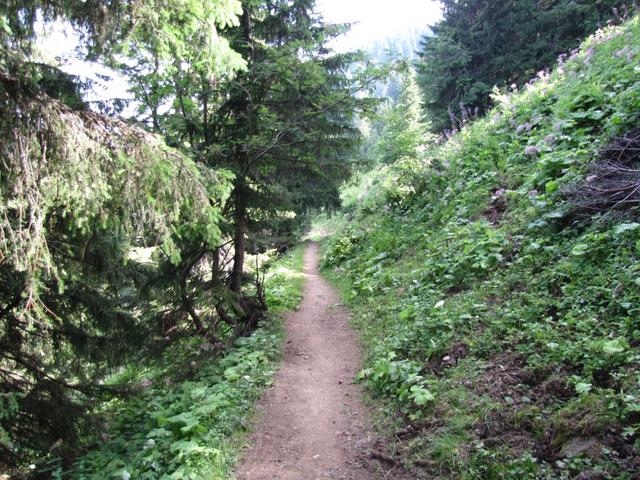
<point x="80" y="194"/>
<point x="480" y="44"/>
<point x="287" y="125"/>
<point x="404" y="130"/>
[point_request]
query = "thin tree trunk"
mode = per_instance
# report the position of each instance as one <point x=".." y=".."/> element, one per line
<point x="238" y="238"/>
<point x="215" y="265"/>
<point x="153" y="102"/>
<point x="195" y="318"/>
<point x="240" y="191"/>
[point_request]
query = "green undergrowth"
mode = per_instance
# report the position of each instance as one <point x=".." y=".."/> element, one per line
<point x="500" y="321"/>
<point x="190" y="412"/>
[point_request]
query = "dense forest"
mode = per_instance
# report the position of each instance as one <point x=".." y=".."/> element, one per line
<point x="479" y="45"/>
<point x="476" y="201"/>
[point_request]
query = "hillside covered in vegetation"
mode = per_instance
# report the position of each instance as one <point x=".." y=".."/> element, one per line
<point x="495" y="276"/>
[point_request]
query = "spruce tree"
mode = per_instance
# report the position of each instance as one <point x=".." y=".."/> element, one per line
<point x="480" y="44"/>
<point x="287" y="125"/>
<point x="81" y="193"/>
<point x="404" y="129"/>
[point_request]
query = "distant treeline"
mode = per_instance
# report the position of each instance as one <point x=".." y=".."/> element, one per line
<point x="480" y="44"/>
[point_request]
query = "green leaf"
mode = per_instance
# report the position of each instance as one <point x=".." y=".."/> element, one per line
<point x="551" y="186"/>
<point x="582" y="388"/>
<point x="4" y="25"/>
<point x="613" y="346"/>
<point x="161" y="421"/>
<point x="580" y="250"/>
<point x="406" y="314"/>
<point x="421" y="396"/>
<point x="231" y="374"/>
<point x="625" y="227"/>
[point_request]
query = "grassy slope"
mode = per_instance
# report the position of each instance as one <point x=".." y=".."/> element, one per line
<point x="504" y="329"/>
<point x="188" y="422"/>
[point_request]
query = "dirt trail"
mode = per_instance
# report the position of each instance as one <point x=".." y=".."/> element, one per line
<point x="312" y="422"/>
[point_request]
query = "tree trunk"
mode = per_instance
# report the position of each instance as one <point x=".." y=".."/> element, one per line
<point x="184" y="296"/>
<point x="215" y="265"/>
<point x="240" y="230"/>
<point x="240" y="190"/>
<point x="195" y="318"/>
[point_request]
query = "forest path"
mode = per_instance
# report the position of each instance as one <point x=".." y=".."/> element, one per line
<point x="312" y="422"/>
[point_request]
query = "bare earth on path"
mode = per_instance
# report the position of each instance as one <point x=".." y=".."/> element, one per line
<point x="313" y="424"/>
